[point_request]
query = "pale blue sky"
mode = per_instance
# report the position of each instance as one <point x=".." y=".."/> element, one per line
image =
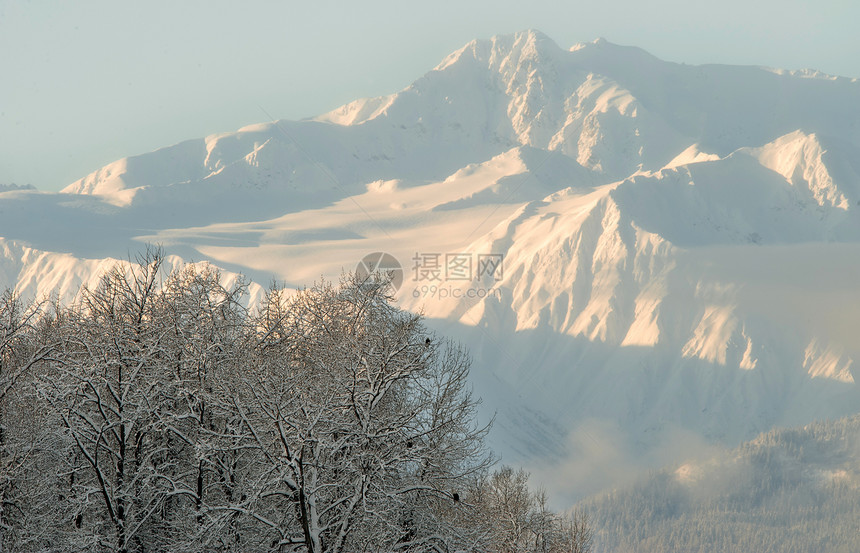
<point x="85" y="83"/>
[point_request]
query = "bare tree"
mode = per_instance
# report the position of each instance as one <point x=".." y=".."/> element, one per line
<point x="108" y="390"/>
<point x="518" y="520"/>
<point x="22" y="426"/>
<point x="206" y="331"/>
<point x="577" y="535"/>
<point x="330" y="421"/>
<point x="359" y="419"/>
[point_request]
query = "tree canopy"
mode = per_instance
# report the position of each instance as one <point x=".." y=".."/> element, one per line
<point x="157" y="412"/>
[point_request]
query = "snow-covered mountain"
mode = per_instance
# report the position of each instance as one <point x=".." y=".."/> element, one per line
<point x="677" y="247"/>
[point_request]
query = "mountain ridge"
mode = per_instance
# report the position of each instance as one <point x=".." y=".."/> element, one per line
<point x="678" y="242"/>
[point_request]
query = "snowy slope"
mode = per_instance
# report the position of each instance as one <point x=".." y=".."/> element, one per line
<point x="680" y="244"/>
<point x="39" y="274"/>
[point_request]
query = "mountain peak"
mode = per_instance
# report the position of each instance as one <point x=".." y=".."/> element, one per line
<point x="513" y="48"/>
<point x="599" y="42"/>
<point x="532" y="37"/>
<point x="530" y="44"/>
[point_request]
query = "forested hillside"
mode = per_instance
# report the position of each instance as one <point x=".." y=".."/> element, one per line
<point x="787" y="491"/>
